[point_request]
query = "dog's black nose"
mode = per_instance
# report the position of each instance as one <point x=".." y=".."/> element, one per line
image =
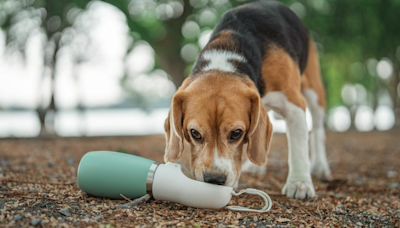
<point x="214" y="178"/>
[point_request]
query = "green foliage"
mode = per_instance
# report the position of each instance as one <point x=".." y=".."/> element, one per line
<point x="349" y="33"/>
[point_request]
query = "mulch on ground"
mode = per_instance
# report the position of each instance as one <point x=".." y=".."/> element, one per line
<point x="37" y="186"/>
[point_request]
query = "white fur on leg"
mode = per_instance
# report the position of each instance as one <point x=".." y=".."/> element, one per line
<point x="319" y="162"/>
<point x="299" y="183"/>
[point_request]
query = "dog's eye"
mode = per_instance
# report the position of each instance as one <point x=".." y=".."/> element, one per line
<point x="235" y="135"/>
<point x="196" y="135"/>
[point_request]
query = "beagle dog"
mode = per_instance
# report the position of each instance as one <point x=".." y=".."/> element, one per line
<point x="260" y="57"/>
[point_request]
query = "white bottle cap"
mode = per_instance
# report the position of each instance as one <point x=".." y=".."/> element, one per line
<point x="171" y="184"/>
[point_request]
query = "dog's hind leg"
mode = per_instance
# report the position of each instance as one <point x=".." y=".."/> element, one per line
<point x="314" y="93"/>
<point x="319" y="162"/>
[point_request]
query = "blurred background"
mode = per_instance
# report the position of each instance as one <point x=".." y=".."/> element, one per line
<point x="92" y="68"/>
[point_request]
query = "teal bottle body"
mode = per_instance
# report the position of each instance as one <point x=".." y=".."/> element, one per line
<point x="110" y="174"/>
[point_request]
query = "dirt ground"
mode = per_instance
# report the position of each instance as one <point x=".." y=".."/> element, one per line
<point x="37" y="186"/>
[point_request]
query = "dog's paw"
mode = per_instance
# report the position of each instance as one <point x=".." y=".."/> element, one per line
<point x="321" y="171"/>
<point x="299" y="189"/>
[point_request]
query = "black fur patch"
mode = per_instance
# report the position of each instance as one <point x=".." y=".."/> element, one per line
<point x="254" y="27"/>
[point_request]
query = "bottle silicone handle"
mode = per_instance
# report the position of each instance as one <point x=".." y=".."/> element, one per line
<point x="171" y="184"/>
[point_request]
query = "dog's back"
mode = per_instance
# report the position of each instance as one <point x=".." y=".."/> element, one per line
<point x="252" y="29"/>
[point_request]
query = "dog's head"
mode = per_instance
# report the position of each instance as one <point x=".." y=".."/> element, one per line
<point x="215" y="118"/>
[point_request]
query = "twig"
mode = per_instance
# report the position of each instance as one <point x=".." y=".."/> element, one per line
<point x="125" y="198"/>
<point x="135" y="202"/>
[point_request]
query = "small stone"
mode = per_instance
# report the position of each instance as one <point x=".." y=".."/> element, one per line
<point x="394" y="186"/>
<point x="283" y="220"/>
<point x="359" y="224"/>
<point x="360" y="181"/>
<point x="339" y="195"/>
<point x="391" y="173"/>
<point x="124" y="206"/>
<point x="71" y="161"/>
<point x="36" y="222"/>
<point x="18" y="218"/>
<point x="340" y="210"/>
<point x="4" y="163"/>
<point x="98" y="217"/>
<point x="65" y="212"/>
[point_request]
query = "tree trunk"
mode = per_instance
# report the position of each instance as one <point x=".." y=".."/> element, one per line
<point x="169" y="47"/>
<point x="173" y="64"/>
<point x="48" y="113"/>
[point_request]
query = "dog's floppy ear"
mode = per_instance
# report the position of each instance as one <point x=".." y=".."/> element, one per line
<point x="173" y="130"/>
<point x="260" y="132"/>
<point x="174" y="126"/>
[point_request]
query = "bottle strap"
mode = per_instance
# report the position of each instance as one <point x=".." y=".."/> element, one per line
<point x="252" y="191"/>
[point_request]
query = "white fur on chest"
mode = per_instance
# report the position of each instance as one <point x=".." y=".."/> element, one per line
<point x="221" y="60"/>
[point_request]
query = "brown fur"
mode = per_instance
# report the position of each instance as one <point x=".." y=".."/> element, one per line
<point x="312" y="75"/>
<point x="223" y="41"/>
<point x="282" y="74"/>
<point x="215" y="104"/>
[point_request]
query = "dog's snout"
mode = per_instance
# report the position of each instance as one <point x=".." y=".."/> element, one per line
<point x="214" y="178"/>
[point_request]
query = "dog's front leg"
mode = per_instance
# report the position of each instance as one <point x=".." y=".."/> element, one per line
<point x="299" y="183"/>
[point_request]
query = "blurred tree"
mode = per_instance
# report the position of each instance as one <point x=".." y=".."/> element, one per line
<point x="159" y="23"/>
<point x="20" y="19"/>
<point x="168" y="25"/>
<point x="353" y="36"/>
<point x="350" y="34"/>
